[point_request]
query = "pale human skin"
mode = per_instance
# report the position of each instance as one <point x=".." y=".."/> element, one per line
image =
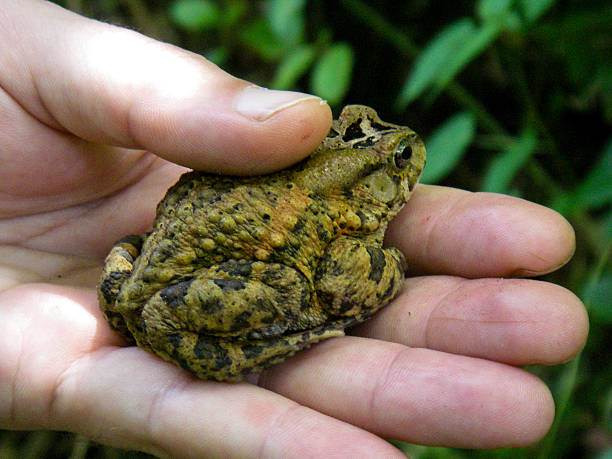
<point x="92" y="120"/>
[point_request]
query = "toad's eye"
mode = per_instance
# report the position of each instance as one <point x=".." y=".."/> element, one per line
<point x="403" y="153"/>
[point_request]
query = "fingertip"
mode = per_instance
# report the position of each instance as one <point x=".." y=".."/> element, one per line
<point x="530" y="239"/>
<point x="283" y="127"/>
<point x="571" y="321"/>
<point x="553" y="241"/>
<point x="536" y="417"/>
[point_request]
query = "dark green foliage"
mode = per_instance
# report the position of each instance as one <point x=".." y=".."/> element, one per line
<point x="510" y="96"/>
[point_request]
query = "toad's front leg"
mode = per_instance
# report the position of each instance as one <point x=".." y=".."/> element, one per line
<point x="118" y="267"/>
<point x="355" y="279"/>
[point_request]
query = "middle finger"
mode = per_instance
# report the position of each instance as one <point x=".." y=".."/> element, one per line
<point x="515" y="321"/>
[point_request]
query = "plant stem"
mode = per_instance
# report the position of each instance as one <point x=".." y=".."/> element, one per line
<point x="369" y="16"/>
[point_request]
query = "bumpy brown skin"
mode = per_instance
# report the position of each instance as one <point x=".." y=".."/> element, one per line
<point x="240" y="273"/>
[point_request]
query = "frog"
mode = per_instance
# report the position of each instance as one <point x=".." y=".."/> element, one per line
<point x="240" y="273"/>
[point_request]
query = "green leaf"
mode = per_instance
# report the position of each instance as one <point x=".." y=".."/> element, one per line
<point x="504" y="167"/>
<point x="331" y="76"/>
<point x="455" y="47"/>
<point x="600" y="299"/>
<point x="533" y="9"/>
<point x="433" y="59"/>
<point x="447" y="145"/>
<point x="286" y="19"/>
<point x="258" y="36"/>
<point x="293" y="66"/>
<point x="472" y="45"/>
<point x="195" y="15"/>
<point x="596" y="189"/>
<point x="491" y="9"/>
<point x="593" y="192"/>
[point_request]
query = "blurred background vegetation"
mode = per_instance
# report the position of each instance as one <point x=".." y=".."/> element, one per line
<point x="510" y="96"/>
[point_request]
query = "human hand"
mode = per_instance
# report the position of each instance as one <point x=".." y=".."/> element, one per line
<point x="82" y="107"/>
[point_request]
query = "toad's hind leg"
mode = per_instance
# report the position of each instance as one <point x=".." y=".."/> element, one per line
<point x="118" y="266"/>
<point x="231" y="360"/>
<point x="232" y="319"/>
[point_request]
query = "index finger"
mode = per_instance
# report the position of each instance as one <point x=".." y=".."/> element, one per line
<point x="449" y="231"/>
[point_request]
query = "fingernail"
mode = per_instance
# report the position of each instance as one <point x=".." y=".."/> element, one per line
<point x="259" y="104"/>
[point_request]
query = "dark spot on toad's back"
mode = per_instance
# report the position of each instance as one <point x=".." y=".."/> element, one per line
<point x="377" y="264"/>
<point x="211" y="305"/>
<point x="240" y="268"/>
<point x="242" y="321"/>
<point x="207" y="349"/>
<point x="174" y="295"/>
<point x="229" y="284"/>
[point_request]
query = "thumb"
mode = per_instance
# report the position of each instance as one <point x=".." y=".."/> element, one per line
<point x="111" y="85"/>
